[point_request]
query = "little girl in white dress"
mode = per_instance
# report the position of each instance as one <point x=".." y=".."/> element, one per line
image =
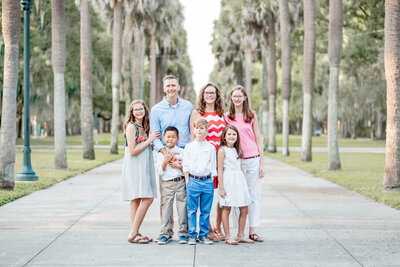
<point x="232" y="186"/>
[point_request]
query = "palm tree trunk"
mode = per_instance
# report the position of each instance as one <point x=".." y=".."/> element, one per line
<point x="58" y="54"/>
<point x="391" y="180"/>
<point x="248" y="68"/>
<point x="238" y="70"/>
<point x="308" y="78"/>
<point x="264" y="127"/>
<point x="137" y="60"/>
<point x="286" y="69"/>
<point x="153" y="47"/>
<point x="335" y="54"/>
<point x="87" y="122"/>
<point x="116" y="74"/>
<point x="11" y="26"/>
<point x="126" y="59"/>
<point x="272" y="84"/>
<point x="379" y="130"/>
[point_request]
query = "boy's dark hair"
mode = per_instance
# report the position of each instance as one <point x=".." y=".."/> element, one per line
<point x="171" y="128"/>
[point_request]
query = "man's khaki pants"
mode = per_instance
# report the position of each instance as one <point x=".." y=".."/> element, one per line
<point x="171" y="190"/>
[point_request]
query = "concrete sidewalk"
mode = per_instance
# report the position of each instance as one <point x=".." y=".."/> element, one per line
<point x="306" y="221"/>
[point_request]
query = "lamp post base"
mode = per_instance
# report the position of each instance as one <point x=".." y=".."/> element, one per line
<point x="26" y="175"/>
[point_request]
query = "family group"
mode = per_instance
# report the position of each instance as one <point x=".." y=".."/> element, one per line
<point x="200" y="151"/>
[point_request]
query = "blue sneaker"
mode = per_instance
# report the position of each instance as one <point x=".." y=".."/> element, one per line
<point x="183" y="239"/>
<point x="192" y="240"/>
<point x="163" y="240"/>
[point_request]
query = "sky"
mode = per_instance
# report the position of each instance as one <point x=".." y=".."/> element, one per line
<point x="199" y="17"/>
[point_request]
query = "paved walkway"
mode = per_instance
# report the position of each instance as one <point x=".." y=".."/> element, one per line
<point x="306" y="221"/>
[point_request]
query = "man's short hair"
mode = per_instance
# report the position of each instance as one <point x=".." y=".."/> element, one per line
<point x="200" y="122"/>
<point x="167" y="77"/>
<point x="173" y="129"/>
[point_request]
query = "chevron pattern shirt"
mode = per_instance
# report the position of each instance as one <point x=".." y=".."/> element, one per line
<point x="216" y="125"/>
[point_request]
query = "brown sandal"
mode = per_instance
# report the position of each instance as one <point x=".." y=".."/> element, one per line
<point x="256" y="238"/>
<point x="138" y="239"/>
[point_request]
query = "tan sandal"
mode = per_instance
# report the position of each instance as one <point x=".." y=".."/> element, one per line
<point x="244" y="240"/>
<point x="138" y="239"/>
<point x="231" y="241"/>
<point x="219" y="234"/>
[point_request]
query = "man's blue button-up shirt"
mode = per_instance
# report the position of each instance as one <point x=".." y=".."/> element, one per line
<point x="164" y="114"/>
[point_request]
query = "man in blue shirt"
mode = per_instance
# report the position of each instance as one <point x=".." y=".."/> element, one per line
<point x="171" y="111"/>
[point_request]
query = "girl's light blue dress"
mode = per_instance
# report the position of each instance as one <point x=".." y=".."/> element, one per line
<point x="138" y="174"/>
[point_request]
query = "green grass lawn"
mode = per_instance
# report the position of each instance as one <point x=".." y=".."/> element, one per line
<point x="104" y="139"/>
<point x="361" y="172"/>
<point x="43" y="165"/>
<point x="295" y="140"/>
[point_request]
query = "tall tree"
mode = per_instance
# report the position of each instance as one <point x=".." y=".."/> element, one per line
<point x="138" y="55"/>
<point x="391" y="178"/>
<point x="286" y="71"/>
<point x="308" y="78"/>
<point x="127" y="52"/>
<point x="58" y="54"/>
<point x="87" y="122"/>
<point x="335" y="55"/>
<point x="116" y="72"/>
<point x="11" y="26"/>
<point x="272" y="84"/>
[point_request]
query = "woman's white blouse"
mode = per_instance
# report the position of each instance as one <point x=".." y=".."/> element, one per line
<point x="199" y="158"/>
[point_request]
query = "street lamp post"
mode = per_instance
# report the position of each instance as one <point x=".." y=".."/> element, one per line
<point x="26" y="173"/>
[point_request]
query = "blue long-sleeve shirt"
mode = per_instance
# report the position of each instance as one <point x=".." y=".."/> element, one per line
<point x="164" y="114"/>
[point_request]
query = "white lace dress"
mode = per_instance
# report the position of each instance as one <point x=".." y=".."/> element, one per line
<point x="235" y="186"/>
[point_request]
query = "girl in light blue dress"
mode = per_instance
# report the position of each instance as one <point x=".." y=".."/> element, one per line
<point x="138" y="176"/>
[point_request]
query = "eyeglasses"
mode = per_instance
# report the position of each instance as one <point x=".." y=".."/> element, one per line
<point x="237" y="96"/>
<point x="209" y="93"/>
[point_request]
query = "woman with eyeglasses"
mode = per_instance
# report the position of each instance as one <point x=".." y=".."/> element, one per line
<point x="210" y="107"/>
<point x="245" y="120"/>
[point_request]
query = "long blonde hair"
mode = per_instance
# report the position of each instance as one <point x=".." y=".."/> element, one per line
<point x="201" y="104"/>
<point x="248" y="114"/>
<point x="130" y="118"/>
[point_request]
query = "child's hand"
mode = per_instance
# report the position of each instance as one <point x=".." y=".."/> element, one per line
<point x="154" y="135"/>
<point x="175" y="164"/>
<point x="222" y="192"/>
<point x="168" y="156"/>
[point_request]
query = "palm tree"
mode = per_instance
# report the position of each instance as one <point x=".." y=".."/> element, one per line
<point x="58" y="62"/>
<point x="11" y="26"/>
<point x="138" y="54"/>
<point x="127" y="52"/>
<point x="308" y="78"/>
<point x="87" y="122"/>
<point x="335" y="54"/>
<point x="286" y="71"/>
<point x="116" y="73"/>
<point x="264" y="127"/>
<point x="391" y="180"/>
<point x="272" y="84"/>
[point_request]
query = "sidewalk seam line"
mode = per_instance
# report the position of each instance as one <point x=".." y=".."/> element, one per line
<point x="194" y="256"/>
<point x="317" y="223"/>
<point x="69" y="227"/>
